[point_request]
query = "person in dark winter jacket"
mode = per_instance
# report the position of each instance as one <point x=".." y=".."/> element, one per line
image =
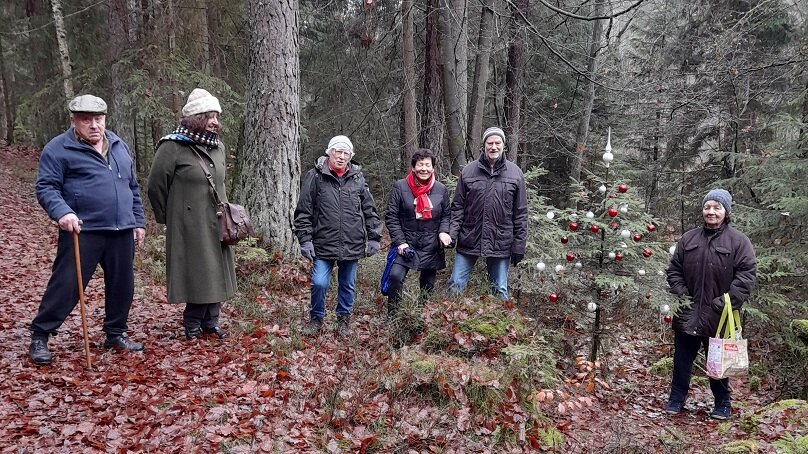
<point x="182" y="199"/>
<point x="336" y="224"/>
<point x="418" y="221"/>
<point x="489" y="216"/>
<point x="87" y="183"/>
<point x="708" y="262"/>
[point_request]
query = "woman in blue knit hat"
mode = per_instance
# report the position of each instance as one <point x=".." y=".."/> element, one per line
<point x="708" y="262"/>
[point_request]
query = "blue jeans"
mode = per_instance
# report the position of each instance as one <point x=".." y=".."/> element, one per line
<point x="321" y="279"/>
<point x="497" y="274"/>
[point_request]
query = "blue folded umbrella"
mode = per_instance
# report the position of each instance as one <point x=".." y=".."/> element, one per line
<point x="385" y="283"/>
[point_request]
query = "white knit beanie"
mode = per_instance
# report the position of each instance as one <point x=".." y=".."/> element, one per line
<point x="200" y="101"/>
<point x="494" y="131"/>
<point x="340" y="143"/>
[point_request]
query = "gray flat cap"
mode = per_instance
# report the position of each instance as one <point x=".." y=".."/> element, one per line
<point x="88" y="104"/>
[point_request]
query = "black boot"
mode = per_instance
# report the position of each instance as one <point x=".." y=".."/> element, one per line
<point x="38" y="351"/>
<point x="313" y="327"/>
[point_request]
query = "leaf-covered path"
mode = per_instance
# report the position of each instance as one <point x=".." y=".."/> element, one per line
<point x="265" y="389"/>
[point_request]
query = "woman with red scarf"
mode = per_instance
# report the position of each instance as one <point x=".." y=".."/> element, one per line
<point x="418" y="221"/>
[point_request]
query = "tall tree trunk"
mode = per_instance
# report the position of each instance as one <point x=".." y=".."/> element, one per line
<point x="270" y="161"/>
<point x="514" y="82"/>
<point x="454" y="53"/>
<point x="408" y="107"/>
<point x="432" y="106"/>
<point x="204" y="36"/>
<point x="117" y="43"/>
<point x="64" y="53"/>
<point x="582" y="132"/>
<point x="481" y="72"/>
<point x="6" y="95"/>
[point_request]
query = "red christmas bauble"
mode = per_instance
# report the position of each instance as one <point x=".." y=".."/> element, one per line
<point x="637" y="237"/>
<point x="622" y="188"/>
<point x="612" y="195"/>
<point x="573" y="226"/>
<point x="553" y="297"/>
<point x="647" y="252"/>
<point x="666" y="318"/>
<point x="651" y="227"/>
<point x="613" y="225"/>
<point x="648" y="296"/>
<point x="612" y="212"/>
<point x="594" y="228"/>
<point x="618" y="256"/>
<point x="564" y="239"/>
<point x="570" y="256"/>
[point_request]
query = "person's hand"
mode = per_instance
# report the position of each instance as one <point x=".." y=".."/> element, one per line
<point x="401" y="248"/>
<point x="307" y="250"/>
<point x="70" y="223"/>
<point x="516" y="258"/>
<point x="445" y="239"/>
<point x="140" y="235"/>
<point x="373" y="248"/>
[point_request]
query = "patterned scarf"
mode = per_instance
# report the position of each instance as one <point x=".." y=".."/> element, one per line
<point x="204" y="138"/>
<point x="423" y="206"/>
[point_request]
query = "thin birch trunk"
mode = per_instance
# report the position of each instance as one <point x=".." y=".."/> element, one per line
<point x="64" y="53"/>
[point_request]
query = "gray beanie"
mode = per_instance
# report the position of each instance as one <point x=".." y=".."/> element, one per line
<point x="494" y="131"/>
<point x="340" y="143"/>
<point x="721" y="196"/>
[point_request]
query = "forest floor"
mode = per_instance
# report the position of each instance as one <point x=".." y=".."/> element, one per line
<point x="266" y="389"/>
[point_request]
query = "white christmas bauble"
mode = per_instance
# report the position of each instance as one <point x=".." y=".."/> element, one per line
<point x="608" y="157"/>
<point x="590" y="214"/>
<point x="641" y="272"/>
<point x="672" y="249"/>
<point x="559" y="268"/>
<point x="623" y="245"/>
<point x="660" y="273"/>
<point x="550" y="215"/>
<point x="573" y="216"/>
<point x="591" y="307"/>
<point x="665" y="309"/>
<point x="602" y="189"/>
<point x="612" y="255"/>
<point x="541" y="266"/>
<point x="625" y="234"/>
<point x="578" y="264"/>
<point x="624" y="208"/>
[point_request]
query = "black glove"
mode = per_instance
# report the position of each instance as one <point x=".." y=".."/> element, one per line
<point x="516" y="258"/>
<point x="373" y="248"/>
<point x="307" y="250"/>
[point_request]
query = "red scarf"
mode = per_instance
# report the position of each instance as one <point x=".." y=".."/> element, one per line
<point x="423" y="206"/>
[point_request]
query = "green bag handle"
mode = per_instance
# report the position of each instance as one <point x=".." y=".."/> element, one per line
<point x="731" y="318"/>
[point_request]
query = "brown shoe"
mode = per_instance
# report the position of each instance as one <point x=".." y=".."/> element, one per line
<point x="313" y="327"/>
<point x="343" y="325"/>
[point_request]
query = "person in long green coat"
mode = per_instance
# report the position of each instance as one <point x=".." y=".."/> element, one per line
<point x="200" y="269"/>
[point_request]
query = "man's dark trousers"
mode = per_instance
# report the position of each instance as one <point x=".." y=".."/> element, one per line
<point x="114" y="251"/>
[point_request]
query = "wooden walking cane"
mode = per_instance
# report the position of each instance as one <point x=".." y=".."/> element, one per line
<point x="81" y="298"/>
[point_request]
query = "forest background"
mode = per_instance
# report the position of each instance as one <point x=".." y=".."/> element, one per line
<point x="696" y="94"/>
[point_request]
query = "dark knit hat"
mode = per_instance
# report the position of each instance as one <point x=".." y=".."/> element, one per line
<point x="493" y="131"/>
<point x="721" y="196"/>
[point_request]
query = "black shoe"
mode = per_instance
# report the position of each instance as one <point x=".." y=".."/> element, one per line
<point x="193" y="333"/>
<point x="721" y="412"/>
<point x="215" y="331"/>
<point x="674" y="407"/>
<point x="38" y="351"/>
<point x="123" y="343"/>
<point x="343" y="325"/>
<point x="313" y="327"/>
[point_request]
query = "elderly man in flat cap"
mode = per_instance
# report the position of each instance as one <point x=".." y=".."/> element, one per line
<point x="86" y="183"/>
<point x="336" y="223"/>
<point x="489" y="216"/>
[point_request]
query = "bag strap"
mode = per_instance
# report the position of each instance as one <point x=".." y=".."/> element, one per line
<point x="729" y="317"/>
<point x="208" y="176"/>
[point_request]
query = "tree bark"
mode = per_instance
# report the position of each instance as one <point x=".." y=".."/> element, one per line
<point x="64" y="53"/>
<point x="431" y="135"/>
<point x="481" y="74"/>
<point x="8" y="111"/>
<point x="514" y="82"/>
<point x="117" y="43"/>
<point x="269" y="169"/>
<point x="408" y="107"/>
<point x="582" y="131"/>
<point x="454" y="52"/>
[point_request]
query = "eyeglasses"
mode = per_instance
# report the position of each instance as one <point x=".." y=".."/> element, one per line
<point x="338" y="152"/>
